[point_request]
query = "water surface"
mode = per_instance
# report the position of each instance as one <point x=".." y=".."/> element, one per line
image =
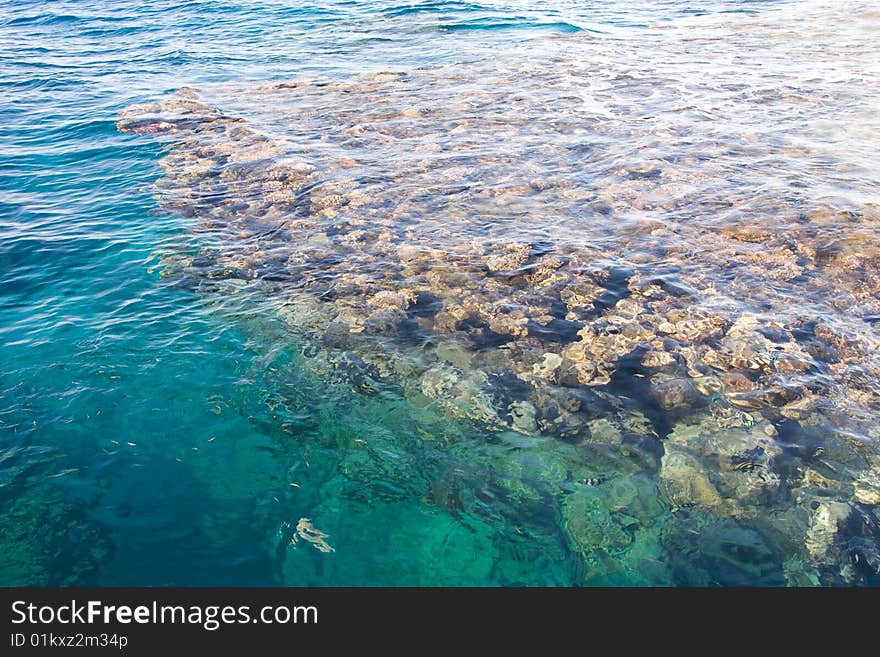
<point x="442" y="293"/>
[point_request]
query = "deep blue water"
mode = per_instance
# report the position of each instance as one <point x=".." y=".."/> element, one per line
<point x="152" y="436"/>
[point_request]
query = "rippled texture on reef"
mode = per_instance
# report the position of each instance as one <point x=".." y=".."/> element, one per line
<point x="599" y="309"/>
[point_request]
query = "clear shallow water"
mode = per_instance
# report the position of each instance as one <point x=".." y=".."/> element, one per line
<point x="191" y="395"/>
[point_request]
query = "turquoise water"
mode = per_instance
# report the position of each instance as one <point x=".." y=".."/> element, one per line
<point x="154" y="431"/>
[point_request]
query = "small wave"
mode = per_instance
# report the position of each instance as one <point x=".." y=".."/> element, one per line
<point x="33" y="84"/>
<point x="44" y="19"/>
<point x="439" y="7"/>
<point x="504" y="24"/>
<point x="372" y="39"/>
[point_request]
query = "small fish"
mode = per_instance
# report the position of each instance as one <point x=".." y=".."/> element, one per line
<point x="592" y="481"/>
<point x="818" y="452"/>
<point x="746" y="466"/>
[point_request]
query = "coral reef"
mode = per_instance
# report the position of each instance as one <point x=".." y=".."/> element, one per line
<point x="417" y="233"/>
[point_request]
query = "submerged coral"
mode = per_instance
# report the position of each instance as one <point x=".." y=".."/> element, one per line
<point x="537" y="264"/>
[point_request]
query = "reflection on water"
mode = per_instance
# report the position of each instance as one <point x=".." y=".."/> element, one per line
<point x="614" y="298"/>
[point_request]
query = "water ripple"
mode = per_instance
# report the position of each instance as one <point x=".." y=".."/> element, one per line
<point x="154" y="392"/>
